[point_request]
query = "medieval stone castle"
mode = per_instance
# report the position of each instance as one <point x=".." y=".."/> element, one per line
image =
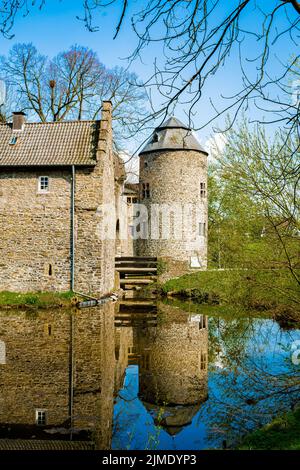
<point x="56" y="177"/>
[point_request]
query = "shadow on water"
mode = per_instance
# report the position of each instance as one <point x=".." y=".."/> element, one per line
<point x="141" y="374"/>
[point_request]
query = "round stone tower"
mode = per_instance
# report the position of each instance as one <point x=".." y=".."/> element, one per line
<point x="173" y="191"/>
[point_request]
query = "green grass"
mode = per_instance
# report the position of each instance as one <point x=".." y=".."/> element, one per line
<point x="283" y="433"/>
<point x="261" y="290"/>
<point x="36" y="299"/>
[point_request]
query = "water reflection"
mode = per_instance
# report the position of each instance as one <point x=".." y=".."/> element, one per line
<point x="58" y="380"/>
<point x="139" y="375"/>
<point x="170" y="348"/>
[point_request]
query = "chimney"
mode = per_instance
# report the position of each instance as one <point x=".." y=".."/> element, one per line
<point x="19" y="119"/>
<point x="105" y="134"/>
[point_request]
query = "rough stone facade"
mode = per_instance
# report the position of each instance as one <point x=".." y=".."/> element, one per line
<point x="173" y="188"/>
<point x="36" y="238"/>
<point x="62" y="364"/>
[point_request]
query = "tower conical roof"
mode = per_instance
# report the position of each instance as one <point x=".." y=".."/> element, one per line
<point x="172" y="135"/>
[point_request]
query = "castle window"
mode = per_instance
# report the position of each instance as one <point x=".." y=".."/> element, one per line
<point x="155" y="138"/>
<point x="43" y="184"/>
<point x="202" y="190"/>
<point x="203" y="364"/>
<point x="40" y="417"/>
<point x="13" y="140"/>
<point x="202" y="229"/>
<point x="50" y="271"/>
<point x="145" y="191"/>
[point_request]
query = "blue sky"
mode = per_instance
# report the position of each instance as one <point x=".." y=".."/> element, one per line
<point x="56" y="28"/>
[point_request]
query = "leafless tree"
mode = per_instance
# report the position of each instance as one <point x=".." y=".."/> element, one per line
<point x="72" y="85"/>
<point x="197" y="38"/>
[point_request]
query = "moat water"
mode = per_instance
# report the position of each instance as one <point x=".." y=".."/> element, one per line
<point x="142" y="375"/>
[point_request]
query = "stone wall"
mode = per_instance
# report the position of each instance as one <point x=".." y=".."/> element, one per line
<point x="174" y="179"/>
<point x="35" y="229"/>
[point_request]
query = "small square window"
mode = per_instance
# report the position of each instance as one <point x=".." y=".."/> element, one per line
<point x="44" y="184"/>
<point x="40" y="417"/>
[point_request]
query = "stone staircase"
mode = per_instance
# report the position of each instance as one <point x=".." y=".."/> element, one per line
<point x="136" y="272"/>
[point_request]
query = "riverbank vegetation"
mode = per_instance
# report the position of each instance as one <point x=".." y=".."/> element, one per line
<point x="254" y="230"/>
<point x="37" y="299"/>
<point x="268" y="290"/>
<point x="283" y="433"/>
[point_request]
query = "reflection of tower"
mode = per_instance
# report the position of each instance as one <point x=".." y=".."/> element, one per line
<point x="173" y="367"/>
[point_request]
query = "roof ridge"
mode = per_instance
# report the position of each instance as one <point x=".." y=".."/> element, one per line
<point x="77" y="121"/>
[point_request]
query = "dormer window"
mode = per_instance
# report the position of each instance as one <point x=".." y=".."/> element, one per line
<point x="155" y="137"/>
<point x="13" y="140"/>
<point x="43" y="184"/>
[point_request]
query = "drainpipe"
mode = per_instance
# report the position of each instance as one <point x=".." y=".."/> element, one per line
<point x="73" y="229"/>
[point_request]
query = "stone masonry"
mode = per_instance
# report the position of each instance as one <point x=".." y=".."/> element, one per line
<point x="35" y="227"/>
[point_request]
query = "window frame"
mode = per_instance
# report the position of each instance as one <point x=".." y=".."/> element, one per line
<point x="202" y="190"/>
<point x="43" y="190"/>
<point x="43" y="420"/>
<point x="202" y="232"/>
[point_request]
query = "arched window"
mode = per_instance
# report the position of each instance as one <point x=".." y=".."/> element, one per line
<point x="2" y="353"/>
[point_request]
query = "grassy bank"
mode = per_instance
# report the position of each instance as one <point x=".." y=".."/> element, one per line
<point x="260" y="290"/>
<point x="39" y="299"/>
<point x="283" y="433"/>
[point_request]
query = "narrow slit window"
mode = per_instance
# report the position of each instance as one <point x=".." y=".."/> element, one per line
<point x="50" y="271"/>
<point x="202" y="229"/>
<point x="147" y="191"/>
<point x="44" y="184"/>
<point x="203" y="361"/>
<point x="202" y="190"/>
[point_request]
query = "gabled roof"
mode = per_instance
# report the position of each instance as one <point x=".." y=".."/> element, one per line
<point x="55" y="143"/>
<point x="172" y="135"/>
